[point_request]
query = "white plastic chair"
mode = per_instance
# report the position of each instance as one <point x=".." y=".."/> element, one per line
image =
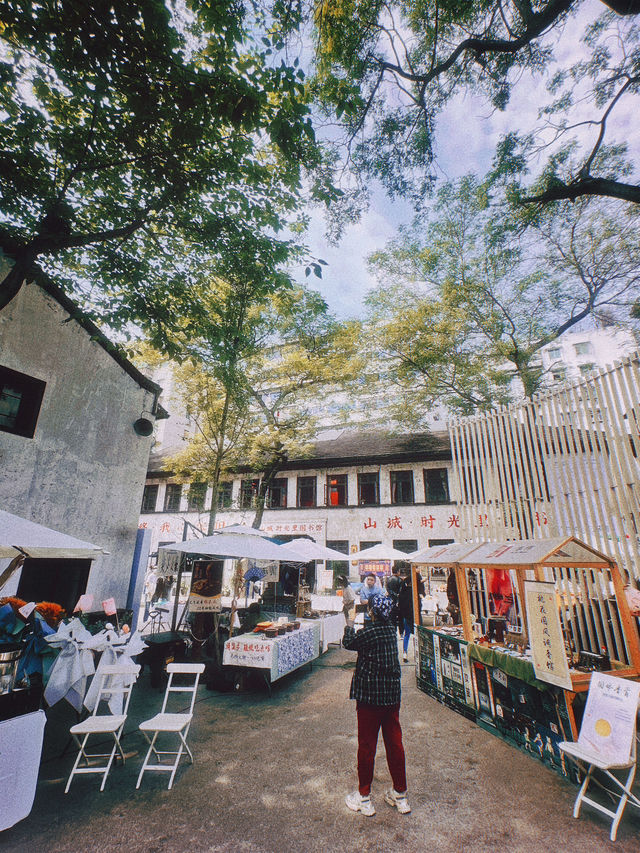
<point x="166" y="723"/>
<point x="601" y="748"/>
<point x="116" y="680"/>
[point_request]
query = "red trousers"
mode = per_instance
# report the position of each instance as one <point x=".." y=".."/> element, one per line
<point x="370" y="719"/>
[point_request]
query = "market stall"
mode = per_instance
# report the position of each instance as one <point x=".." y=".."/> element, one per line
<point x="295" y="644"/>
<point x="537" y="617"/>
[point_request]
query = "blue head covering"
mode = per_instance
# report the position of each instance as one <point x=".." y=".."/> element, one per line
<point x="381" y="606"/>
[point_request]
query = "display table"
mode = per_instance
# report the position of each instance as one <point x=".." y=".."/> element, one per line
<point x="500" y="691"/>
<point x="331" y="629"/>
<point x="274" y="656"/>
<point x="20" y="750"/>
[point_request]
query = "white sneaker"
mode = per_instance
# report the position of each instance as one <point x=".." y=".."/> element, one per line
<point x="405" y="657"/>
<point x="357" y="803"/>
<point x="399" y="801"/>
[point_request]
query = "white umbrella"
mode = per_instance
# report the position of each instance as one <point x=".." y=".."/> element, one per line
<point x="314" y="550"/>
<point x="237" y="545"/>
<point x="378" y="552"/>
<point x="18" y="535"/>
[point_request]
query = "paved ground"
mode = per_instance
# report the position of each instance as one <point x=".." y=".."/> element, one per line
<point x="271" y="775"/>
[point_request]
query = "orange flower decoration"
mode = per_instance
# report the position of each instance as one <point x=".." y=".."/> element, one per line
<point x="51" y="612"/>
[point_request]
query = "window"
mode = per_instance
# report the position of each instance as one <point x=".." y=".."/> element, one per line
<point x="436" y="485"/>
<point x="401" y="487"/>
<point x="407" y="546"/>
<point x="587" y="367"/>
<point x="149" y="498"/>
<point x="583" y="348"/>
<point x="172" y="497"/>
<point x="196" y="496"/>
<point x="336" y="490"/>
<point x="248" y="493"/>
<point x="224" y="495"/>
<point x="369" y="489"/>
<point x="337" y="566"/>
<point x="554" y="354"/>
<point x="559" y="375"/>
<point x="306" y="491"/>
<point x="20" y="401"/>
<point x="277" y="493"/>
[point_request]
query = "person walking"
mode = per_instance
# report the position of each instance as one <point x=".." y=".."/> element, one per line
<point x="406" y="616"/>
<point x="376" y="688"/>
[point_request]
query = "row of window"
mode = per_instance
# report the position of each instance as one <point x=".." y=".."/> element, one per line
<point x="336" y="493"/>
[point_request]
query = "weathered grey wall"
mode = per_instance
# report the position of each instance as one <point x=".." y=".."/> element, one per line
<point x="83" y="471"/>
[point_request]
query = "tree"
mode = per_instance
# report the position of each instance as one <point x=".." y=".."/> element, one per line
<point x="388" y="69"/>
<point x="131" y="129"/>
<point x="468" y="298"/>
<point x="252" y="393"/>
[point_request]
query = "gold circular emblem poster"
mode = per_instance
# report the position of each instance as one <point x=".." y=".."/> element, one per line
<point x="603" y="728"/>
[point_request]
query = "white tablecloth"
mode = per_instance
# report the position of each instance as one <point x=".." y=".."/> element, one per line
<point x="331" y="629"/>
<point x="20" y="750"/>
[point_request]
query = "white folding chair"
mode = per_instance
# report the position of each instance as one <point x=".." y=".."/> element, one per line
<point x="116" y="683"/>
<point x="607" y="742"/>
<point x="166" y="723"/>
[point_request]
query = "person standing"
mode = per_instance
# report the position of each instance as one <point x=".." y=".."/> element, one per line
<point x="375" y="686"/>
<point x="406" y="615"/>
<point x="348" y="595"/>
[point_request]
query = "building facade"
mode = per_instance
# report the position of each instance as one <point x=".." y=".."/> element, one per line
<point x="76" y="423"/>
<point x="356" y="488"/>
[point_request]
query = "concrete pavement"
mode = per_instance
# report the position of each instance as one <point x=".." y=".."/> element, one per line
<point x="271" y="774"/>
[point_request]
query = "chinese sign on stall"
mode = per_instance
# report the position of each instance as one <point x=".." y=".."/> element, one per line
<point x="545" y="634"/>
<point x="206" y="586"/>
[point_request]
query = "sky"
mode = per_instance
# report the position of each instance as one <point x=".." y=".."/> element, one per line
<point x="467" y="132"/>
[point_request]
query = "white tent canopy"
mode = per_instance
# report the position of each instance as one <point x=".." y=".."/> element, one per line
<point x="237" y="546"/>
<point x="314" y="550"/>
<point x="18" y="535"/>
<point x="378" y="552"/>
<point x="521" y="552"/>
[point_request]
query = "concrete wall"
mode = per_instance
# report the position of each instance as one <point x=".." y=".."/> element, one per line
<point x="83" y="471"/>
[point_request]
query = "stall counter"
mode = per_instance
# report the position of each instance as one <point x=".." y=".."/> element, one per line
<point x="275" y="656"/>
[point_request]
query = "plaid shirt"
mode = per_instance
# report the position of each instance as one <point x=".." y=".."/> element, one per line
<point x="376" y="680"/>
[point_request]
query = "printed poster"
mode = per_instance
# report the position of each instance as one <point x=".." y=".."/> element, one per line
<point x="545" y="634"/>
<point x="206" y="586"/>
<point x="609" y="721"/>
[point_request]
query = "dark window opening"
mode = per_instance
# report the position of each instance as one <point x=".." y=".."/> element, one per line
<point x="401" y="487"/>
<point x="277" y="493"/>
<point x="369" y="489"/>
<point x="436" y="485"/>
<point x="407" y="546"/>
<point x="224" y="495"/>
<point x="338" y="567"/>
<point x="149" y="498"/>
<point x="62" y="581"/>
<point x="172" y="497"/>
<point x="306" y="491"/>
<point x="336" y="490"/>
<point x="196" y="497"/>
<point x="20" y="401"/>
<point x="248" y="493"/>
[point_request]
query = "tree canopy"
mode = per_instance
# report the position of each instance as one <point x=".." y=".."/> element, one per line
<point x="132" y="130"/>
<point x="388" y="68"/>
<point x="467" y="298"/>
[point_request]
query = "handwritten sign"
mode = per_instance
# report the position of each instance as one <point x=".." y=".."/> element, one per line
<point x="545" y="634"/>
<point x="256" y="653"/>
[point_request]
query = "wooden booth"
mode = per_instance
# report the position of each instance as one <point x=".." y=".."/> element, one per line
<point x="536" y="618"/>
